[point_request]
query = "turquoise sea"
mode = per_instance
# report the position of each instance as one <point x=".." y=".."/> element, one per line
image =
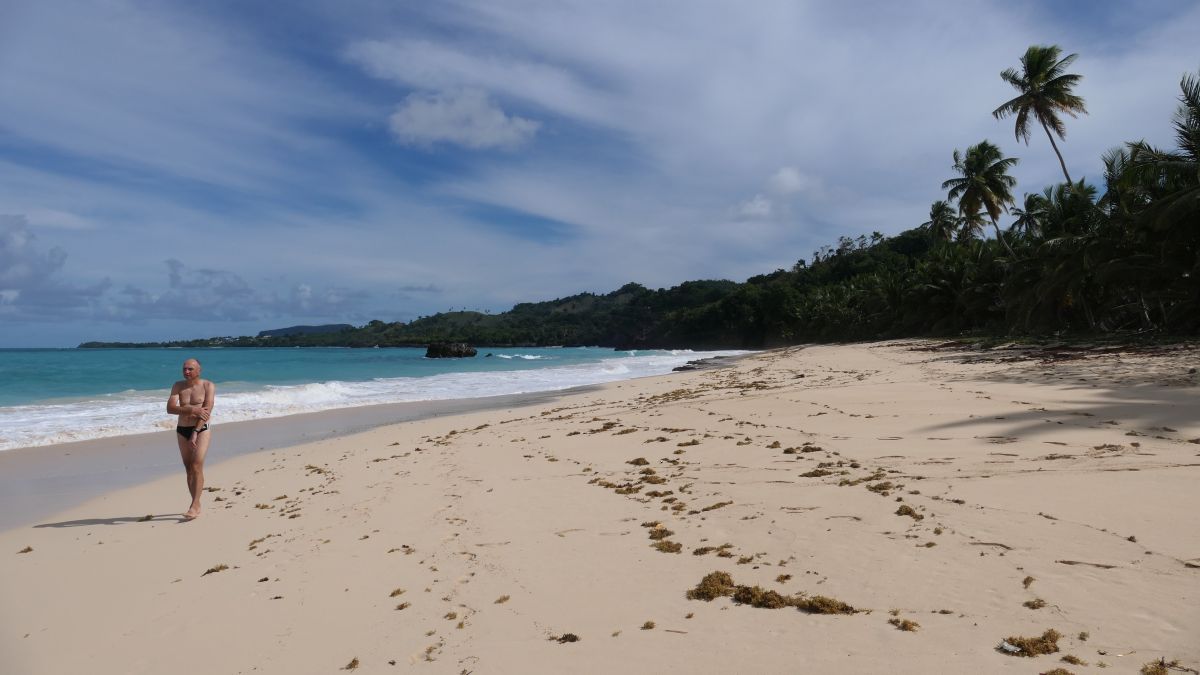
<point x="56" y="395"/>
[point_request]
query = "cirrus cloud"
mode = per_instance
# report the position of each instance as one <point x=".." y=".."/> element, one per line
<point x="465" y="117"/>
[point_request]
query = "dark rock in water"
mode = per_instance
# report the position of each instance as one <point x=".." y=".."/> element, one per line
<point x="685" y="367"/>
<point x="449" y="350"/>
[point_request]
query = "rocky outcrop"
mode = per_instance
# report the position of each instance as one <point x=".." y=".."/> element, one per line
<point x="449" y="350"/>
<point x="703" y="364"/>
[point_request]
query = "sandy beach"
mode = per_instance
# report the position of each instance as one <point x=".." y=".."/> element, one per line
<point x="938" y="502"/>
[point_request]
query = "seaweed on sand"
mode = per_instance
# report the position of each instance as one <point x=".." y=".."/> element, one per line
<point x="714" y="585"/>
<point x="820" y="604"/>
<point x="667" y="546"/>
<point x="756" y="596"/>
<point x="1046" y="643"/>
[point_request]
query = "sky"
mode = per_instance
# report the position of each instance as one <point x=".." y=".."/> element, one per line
<point x="179" y="169"/>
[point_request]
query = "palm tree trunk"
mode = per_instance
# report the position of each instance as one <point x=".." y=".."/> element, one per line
<point x="1087" y="311"/>
<point x="1002" y="240"/>
<point x="1060" y="159"/>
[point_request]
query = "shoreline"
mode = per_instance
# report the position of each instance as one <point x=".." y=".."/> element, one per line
<point x="37" y="482"/>
<point x="66" y="405"/>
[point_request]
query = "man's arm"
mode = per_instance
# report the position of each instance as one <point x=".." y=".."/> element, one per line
<point x="210" y="399"/>
<point x="173" y="407"/>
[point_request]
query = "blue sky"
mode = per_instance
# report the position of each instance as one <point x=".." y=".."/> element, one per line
<point x="179" y="169"/>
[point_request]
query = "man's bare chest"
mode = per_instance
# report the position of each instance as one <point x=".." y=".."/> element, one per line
<point x="192" y="394"/>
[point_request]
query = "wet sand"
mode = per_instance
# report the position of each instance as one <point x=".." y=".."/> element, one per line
<point x="38" y="482"/>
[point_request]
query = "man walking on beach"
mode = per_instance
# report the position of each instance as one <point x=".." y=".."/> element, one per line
<point x="192" y="400"/>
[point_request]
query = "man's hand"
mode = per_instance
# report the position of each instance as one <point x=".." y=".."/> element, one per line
<point x="202" y="414"/>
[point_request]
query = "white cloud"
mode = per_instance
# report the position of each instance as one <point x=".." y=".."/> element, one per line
<point x="789" y="180"/>
<point x="465" y="117"/>
<point x="22" y="264"/>
<point x="31" y="284"/>
<point x="759" y="206"/>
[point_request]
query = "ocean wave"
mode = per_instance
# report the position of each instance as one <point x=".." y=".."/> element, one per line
<point x="134" y="412"/>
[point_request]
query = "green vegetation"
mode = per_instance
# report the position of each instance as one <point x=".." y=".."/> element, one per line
<point x="1118" y="256"/>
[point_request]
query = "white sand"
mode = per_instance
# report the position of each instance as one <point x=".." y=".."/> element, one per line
<point x="1077" y="473"/>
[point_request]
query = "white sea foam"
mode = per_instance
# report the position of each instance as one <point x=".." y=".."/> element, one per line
<point x="135" y="412"/>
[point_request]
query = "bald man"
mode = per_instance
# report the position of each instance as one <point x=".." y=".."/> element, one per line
<point x="192" y="400"/>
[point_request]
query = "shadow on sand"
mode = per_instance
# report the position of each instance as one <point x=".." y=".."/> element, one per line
<point x="1137" y="398"/>
<point x="122" y="520"/>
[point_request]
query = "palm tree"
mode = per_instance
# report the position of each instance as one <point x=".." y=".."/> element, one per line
<point x="1175" y="176"/>
<point x="984" y="185"/>
<point x="1045" y="88"/>
<point x="942" y="221"/>
<point x="1030" y="216"/>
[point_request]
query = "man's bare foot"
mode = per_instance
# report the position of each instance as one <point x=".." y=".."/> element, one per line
<point x="191" y="514"/>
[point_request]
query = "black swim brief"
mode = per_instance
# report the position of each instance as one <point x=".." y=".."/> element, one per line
<point x="186" y="432"/>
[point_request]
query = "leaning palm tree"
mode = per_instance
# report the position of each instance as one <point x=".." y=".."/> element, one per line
<point x="1045" y="88"/>
<point x="983" y="185"/>
<point x="942" y="222"/>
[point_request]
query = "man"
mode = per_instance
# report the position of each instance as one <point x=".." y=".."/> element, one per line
<point x="192" y="400"/>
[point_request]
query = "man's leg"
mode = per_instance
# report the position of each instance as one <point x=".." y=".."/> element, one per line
<point x="192" y="455"/>
<point x="196" y="471"/>
<point x="185" y="454"/>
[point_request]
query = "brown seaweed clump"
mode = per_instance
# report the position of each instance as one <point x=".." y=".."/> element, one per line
<point x="565" y="638"/>
<point x="659" y="532"/>
<point x="905" y="624"/>
<point x="907" y="510"/>
<point x="714" y="585"/>
<point x="1058" y="671"/>
<point x="1036" y="603"/>
<point x="667" y="546"/>
<point x="819" y="604"/>
<point x="756" y="596"/>
<point x="884" y="488"/>
<point x="216" y="568"/>
<point x="1159" y="667"/>
<point x="637" y="461"/>
<point x="719" y="584"/>
<point x="1047" y="643"/>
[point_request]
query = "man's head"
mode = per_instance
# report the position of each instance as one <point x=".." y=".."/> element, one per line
<point x="191" y="369"/>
